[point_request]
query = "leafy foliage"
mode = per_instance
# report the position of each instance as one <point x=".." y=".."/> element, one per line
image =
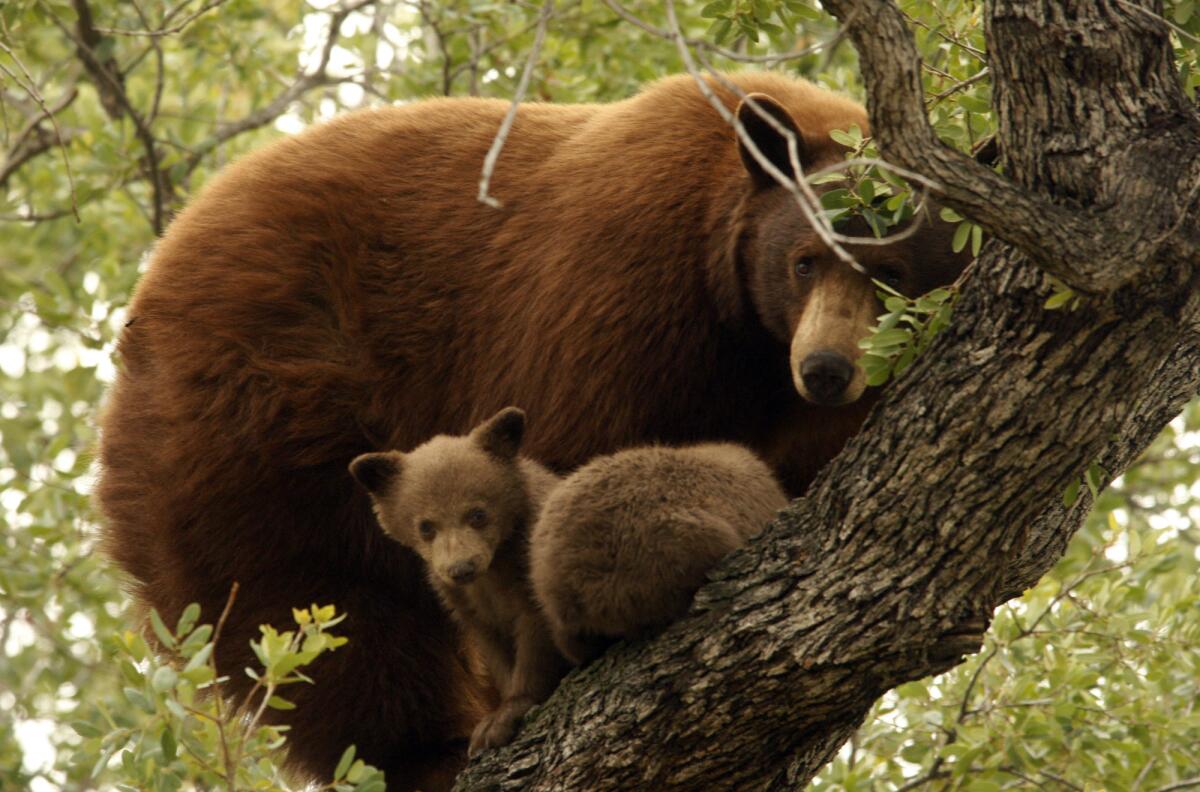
<point x="120" y="117"/>
<point x="168" y="731"/>
<point x="904" y="331"/>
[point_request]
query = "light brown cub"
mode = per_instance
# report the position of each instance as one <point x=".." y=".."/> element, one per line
<point x="464" y="504"/>
<point x="624" y="542"/>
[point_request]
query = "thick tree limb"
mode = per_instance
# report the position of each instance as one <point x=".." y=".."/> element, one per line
<point x="1087" y="248"/>
<point x="950" y="499"/>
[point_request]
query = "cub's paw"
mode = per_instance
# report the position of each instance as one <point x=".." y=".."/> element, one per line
<point x="496" y="729"/>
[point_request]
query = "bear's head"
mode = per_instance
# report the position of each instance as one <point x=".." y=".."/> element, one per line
<point x="801" y="291"/>
<point x="454" y="499"/>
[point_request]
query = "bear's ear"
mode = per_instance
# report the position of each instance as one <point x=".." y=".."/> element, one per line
<point x="377" y="472"/>
<point x="772" y="144"/>
<point x="501" y="434"/>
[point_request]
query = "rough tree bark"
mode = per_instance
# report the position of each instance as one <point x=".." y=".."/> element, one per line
<point x="949" y="502"/>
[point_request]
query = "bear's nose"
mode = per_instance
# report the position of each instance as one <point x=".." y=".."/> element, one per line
<point x="462" y="571"/>
<point x="826" y="376"/>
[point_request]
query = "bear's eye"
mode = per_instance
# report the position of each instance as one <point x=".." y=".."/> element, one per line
<point x="477" y="518"/>
<point x="892" y="277"/>
<point x="803" y="267"/>
<point x="427" y="529"/>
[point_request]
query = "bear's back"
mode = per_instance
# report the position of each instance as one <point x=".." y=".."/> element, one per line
<point x="624" y="542"/>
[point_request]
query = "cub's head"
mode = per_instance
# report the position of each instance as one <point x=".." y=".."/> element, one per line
<point x="802" y="292"/>
<point x="454" y="499"/>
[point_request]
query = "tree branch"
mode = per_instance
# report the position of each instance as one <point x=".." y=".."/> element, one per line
<point x="110" y="85"/>
<point x="947" y="503"/>
<point x="19" y="156"/>
<point x="305" y="82"/>
<point x="1088" y="249"/>
<point x="33" y="140"/>
<point x="493" y="154"/>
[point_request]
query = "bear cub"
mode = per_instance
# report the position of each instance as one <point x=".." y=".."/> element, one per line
<point x="465" y="505"/>
<point x="622" y="545"/>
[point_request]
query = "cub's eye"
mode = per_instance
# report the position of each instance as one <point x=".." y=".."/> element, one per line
<point x="891" y="277"/>
<point x="803" y="267"/>
<point x="427" y="529"/>
<point x="477" y="518"/>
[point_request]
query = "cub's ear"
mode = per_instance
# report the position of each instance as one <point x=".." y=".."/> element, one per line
<point x="501" y="434"/>
<point x="772" y="144"/>
<point x="376" y="472"/>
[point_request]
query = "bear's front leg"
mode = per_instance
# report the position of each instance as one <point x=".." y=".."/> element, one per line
<point x="535" y="674"/>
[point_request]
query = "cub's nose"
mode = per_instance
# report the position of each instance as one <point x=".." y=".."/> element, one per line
<point x="826" y="376"/>
<point x="462" y="571"/>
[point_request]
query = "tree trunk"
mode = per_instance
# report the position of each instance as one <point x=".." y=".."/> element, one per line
<point x="950" y="501"/>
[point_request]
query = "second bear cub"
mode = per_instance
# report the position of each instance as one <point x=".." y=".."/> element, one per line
<point x="465" y="505"/>
<point x="622" y="545"/>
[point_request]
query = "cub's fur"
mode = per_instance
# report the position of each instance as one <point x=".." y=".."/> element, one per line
<point x="464" y="505"/>
<point x="623" y="543"/>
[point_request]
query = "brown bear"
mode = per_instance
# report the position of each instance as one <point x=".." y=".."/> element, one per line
<point x="343" y="291"/>
<point x="465" y="505"/>
<point x="623" y="543"/>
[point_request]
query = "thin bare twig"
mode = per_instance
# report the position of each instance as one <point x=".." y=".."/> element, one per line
<point x="958" y="86"/>
<point x="489" y="162"/>
<point x="1159" y="18"/>
<point x="806" y="197"/>
<point x="230" y="768"/>
<point x="164" y="31"/>
<point x="977" y="53"/>
<point x="632" y="19"/>
<point x="1187" y="783"/>
<point x="113" y="96"/>
<point x="440" y="37"/>
<point x="30" y="87"/>
<point x="156" y="45"/>
<point x="277" y="106"/>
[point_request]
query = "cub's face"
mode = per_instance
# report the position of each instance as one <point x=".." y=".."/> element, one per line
<point x="453" y="500"/>
<point x="815" y="303"/>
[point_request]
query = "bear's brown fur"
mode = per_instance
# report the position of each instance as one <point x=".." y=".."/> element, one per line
<point x="343" y="291"/>
<point x="623" y="543"/>
<point x="465" y="506"/>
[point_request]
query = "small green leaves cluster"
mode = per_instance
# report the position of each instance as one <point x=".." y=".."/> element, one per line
<point x="172" y="731"/>
<point x="1185" y="36"/>
<point x="1094" y="478"/>
<point x="904" y="331"/>
<point x="966" y="231"/>
<point x="750" y="19"/>
<point x="876" y="194"/>
<point x="1062" y="296"/>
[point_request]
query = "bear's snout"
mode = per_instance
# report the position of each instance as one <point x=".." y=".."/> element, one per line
<point x="462" y="572"/>
<point x="826" y="376"/>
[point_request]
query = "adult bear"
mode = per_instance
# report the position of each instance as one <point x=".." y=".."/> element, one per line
<point x="343" y="291"/>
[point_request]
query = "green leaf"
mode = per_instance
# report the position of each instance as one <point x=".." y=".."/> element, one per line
<point x="1058" y="299"/>
<point x="164" y="679"/>
<point x="85" y="729"/>
<point x="168" y="745"/>
<point x="160" y="630"/>
<point x="280" y="703"/>
<point x="960" y="236"/>
<point x="187" y="620"/>
<point x="1071" y="493"/>
<point x="343" y="765"/>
